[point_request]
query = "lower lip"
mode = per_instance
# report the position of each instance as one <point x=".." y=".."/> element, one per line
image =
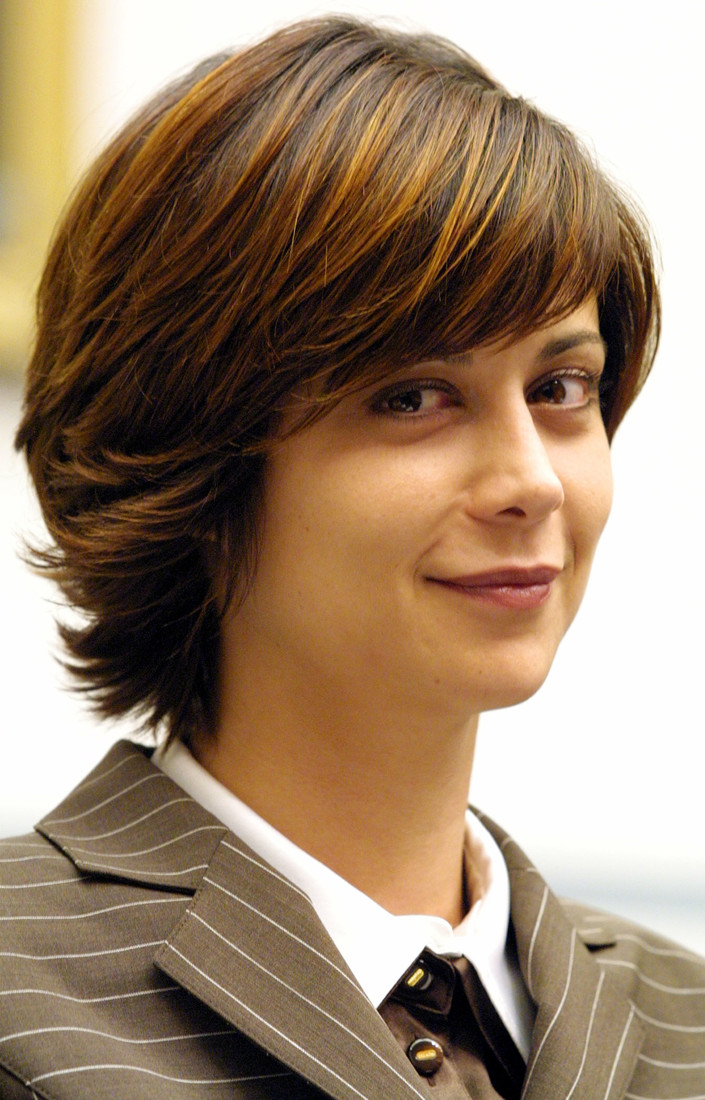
<point x="516" y="597"/>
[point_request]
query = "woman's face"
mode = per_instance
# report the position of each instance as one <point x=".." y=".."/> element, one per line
<point x="430" y="538"/>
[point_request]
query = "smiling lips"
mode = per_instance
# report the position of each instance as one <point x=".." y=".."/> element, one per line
<point x="516" y="589"/>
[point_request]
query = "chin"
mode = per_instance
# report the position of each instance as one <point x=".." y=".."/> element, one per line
<point x="507" y="687"/>
<point x="512" y="698"/>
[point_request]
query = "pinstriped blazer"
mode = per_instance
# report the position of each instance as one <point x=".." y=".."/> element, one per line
<point x="145" y="952"/>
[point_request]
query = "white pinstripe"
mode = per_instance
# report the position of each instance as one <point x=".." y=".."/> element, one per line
<point x="83" y="954"/>
<point x="694" y="991"/>
<point x="122" y="828"/>
<point x="29" y="859"/>
<point x="153" y="1073"/>
<point x="534" y="935"/>
<point x="117" y="1038"/>
<point x="38" y="885"/>
<point x="691" y="1029"/>
<point x="287" y="931"/>
<point x="148" y="874"/>
<point x="671" y="1065"/>
<point x="587" y="1037"/>
<point x="302" y="997"/>
<point x="618" y="1055"/>
<point x="99" y="912"/>
<point x="106" y="801"/>
<point x="145" y="851"/>
<point x="91" y="1000"/>
<point x="558" y="1011"/>
<point x="11" y="843"/>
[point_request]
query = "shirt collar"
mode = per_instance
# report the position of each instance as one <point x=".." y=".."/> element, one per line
<point x="377" y="946"/>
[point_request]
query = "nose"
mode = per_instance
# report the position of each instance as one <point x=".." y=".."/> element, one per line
<point x="514" y="477"/>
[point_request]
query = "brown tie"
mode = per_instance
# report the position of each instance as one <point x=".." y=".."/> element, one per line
<point x="442" y="1017"/>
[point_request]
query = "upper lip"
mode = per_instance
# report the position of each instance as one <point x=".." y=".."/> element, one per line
<point x="514" y="575"/>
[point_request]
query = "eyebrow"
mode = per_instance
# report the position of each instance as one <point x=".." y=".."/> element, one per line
<point x="567" y="343"/>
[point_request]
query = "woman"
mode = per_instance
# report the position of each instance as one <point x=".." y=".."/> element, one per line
<point x="332" y="342"/>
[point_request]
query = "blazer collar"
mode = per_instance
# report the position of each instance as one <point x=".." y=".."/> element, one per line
<point x="127" y="820"/>
<point x="249" y="943"/>
<point x="586" y="1037"/>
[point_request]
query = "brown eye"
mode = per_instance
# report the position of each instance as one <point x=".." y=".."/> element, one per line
<point x="553" y="391"/>
<point x="571" y="390"/>
<point x="415" y="400"/>
<point x="408" y="401"/>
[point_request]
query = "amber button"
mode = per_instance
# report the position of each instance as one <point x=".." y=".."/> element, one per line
<point x="426" y="1056"/>
<point x="420" y="979"/>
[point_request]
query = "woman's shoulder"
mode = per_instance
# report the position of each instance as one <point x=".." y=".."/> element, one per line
<point x="664" y="982"/>
<point x="630" y="945"/>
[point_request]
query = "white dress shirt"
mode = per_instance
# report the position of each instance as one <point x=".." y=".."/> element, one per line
<point x="378" y="946"/>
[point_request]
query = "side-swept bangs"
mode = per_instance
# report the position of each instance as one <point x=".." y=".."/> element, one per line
<point x="326" y="206"/>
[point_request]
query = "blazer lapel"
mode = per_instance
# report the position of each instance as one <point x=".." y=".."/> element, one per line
<point x="249" y="944"/>
<point x="586" y="1037"/>
<point x="252" y="947"/>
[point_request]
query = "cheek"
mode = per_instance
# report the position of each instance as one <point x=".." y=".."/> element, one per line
<point x="369" y="504"/>
<point x="590" y="496"/>
<point x="329" y="525"/>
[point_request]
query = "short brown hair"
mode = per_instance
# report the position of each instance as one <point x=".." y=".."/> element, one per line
<point x="335" y="201"/>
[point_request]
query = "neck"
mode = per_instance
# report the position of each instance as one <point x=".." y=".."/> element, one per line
<point x="379" y="797"/>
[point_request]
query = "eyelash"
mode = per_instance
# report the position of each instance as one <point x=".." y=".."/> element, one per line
<point x="590" y="377"/>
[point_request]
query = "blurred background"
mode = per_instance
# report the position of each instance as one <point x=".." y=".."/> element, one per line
<point x="614" y="744"/>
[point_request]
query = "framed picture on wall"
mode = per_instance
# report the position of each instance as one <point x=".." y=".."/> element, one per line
<point x="34" y="94"/>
